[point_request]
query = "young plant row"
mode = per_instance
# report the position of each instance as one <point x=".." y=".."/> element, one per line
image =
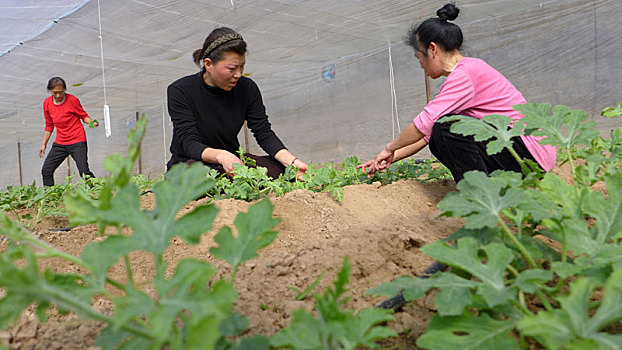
<point x="187" y="309"/>
<point x="538" y="262"/>
<point x="250" y="183"/>
<point x="45" y="201"/>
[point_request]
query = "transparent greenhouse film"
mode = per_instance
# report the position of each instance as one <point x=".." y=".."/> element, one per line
<point x="323" y="67"/>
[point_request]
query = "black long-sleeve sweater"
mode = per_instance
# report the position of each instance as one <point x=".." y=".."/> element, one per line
<point x="207" y="116"/>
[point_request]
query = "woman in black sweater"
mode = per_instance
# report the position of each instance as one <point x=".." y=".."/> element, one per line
<point x="209" y="108"/>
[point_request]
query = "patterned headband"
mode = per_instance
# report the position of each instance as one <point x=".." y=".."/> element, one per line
<point x="216" y="43"/>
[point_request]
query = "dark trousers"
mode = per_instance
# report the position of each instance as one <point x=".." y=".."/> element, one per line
<point x="275" y="168"/>
<point x="462" y="153"/>
<point x="58" y="153"/>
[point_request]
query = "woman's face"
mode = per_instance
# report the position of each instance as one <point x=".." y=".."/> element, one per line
<point x="58" y="93"/>
<point x="226" y="72"/>
<point x="429" y="62"/>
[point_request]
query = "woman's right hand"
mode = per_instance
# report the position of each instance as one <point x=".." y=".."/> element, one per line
<point x="384" y="159"/>
<point x="42" y="151"/>
<point x="382" y="162"/>
<point x="368" y="167"/>
<point x="227" y="159"/>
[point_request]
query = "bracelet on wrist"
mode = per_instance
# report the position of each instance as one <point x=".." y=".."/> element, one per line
<point x="291" y="163"/>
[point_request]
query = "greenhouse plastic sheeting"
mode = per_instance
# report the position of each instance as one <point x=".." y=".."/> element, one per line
<point x="324" y="67"/>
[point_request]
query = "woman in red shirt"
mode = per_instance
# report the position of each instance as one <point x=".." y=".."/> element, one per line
<point x="64" y="111"/>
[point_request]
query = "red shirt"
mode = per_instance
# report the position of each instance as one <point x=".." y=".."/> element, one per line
<point x="66" y="118"/>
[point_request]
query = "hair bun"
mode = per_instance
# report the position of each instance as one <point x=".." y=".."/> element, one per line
<point x="449" y="12"/>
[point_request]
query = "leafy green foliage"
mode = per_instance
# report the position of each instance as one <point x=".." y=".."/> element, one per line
<point x="92" y="123"/>
<point x="36" y="201"/>
<point x="499" y="259"/>
<point x="249" y="183"/>
<point x="253" y="234"/>
<point x="334" y="327"/>
<point x="480" y="199"/>
<point x="612" y="112"/>
<point x="466" y="256"/>
<point x="188" y="309"/>
<point x="571" y="326"/>
<point x="496" y="127"/>
<point x="30" y="204"/>
<point x="303" y="294"/>
<point x="145" y="182"/>
<point x="562" y="126"/>
<point x="185" y="306"/>
<point x="468" y="332"/>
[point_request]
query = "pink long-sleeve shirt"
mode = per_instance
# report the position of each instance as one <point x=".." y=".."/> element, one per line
<point x="475" y="89"/>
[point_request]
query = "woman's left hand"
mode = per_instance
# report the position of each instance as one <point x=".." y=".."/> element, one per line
<point x="301" y="166"/>
<point x="384" y="159"/>
<point x="93" y="123"/>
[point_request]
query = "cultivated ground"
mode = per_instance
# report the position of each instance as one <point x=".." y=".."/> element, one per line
<point x="380" y="229"/>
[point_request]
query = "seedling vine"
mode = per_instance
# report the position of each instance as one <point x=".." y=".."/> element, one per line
<point x="499" y="259"/>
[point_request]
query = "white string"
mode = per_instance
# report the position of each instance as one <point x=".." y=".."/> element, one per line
<point x="164" y="134"/>
<point x="101" y="50"/>
<point x="394" y="116"/>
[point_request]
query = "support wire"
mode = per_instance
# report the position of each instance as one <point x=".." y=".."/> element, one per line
<point x="395" y="120"/>
<point x="101" y="49"/>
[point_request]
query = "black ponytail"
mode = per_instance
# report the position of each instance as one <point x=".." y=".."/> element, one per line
<point x="438" y="30"/>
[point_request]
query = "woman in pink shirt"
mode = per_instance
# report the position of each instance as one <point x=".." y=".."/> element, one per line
<point x="472" y="88"/>
<point x="64" y="111"/>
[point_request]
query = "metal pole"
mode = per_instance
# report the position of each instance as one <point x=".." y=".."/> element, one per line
<point x="19" y="160"/>
<point x="140" y="153"/>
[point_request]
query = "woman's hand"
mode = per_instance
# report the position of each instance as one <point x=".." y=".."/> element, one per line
<point x="227" y="159"/>
<point x="384" y="159"/>
<point x="382" y="162"/>
<point x="92" y="123"/>
<point x="368" y="167"/>
<point x="301" y="166"/>
<point x="42" y="151"/>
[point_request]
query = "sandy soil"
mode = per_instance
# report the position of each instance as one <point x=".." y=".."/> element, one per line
<point x="380" y="229"/>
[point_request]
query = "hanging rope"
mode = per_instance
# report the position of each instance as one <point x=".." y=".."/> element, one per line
<point x="164" y="134"/>
<point x="101" y="49"/>
<point x="395" y="120"/>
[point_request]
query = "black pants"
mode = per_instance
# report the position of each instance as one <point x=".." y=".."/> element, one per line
<point x="462" y="153"/>
<point x="58" y="153"/>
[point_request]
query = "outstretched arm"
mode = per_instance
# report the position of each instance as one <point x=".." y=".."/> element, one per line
<point x="409" y="150"/>
<point x="407" y="143"/>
